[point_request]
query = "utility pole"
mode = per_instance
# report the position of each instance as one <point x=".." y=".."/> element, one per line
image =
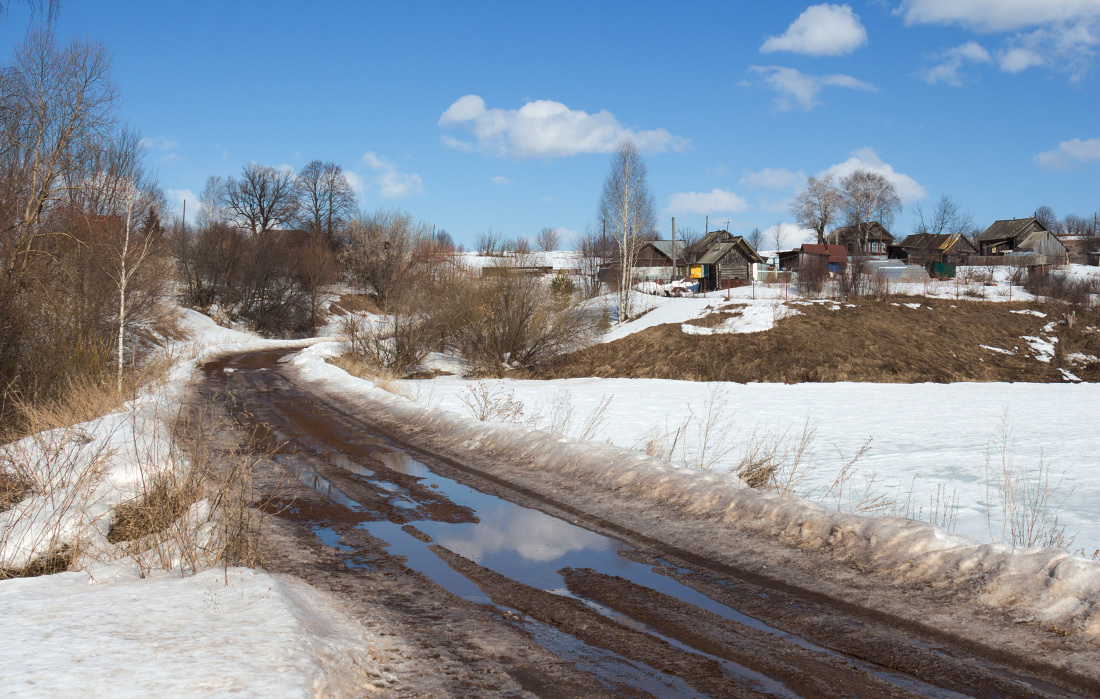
<point x="673" y="248"/>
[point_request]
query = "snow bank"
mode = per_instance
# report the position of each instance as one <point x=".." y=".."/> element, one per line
<point x="1047" y="586"/>
<point x="110" y="632"/>
<point x="82" y="473"/>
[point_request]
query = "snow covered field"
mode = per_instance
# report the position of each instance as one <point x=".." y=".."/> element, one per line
<point x="923" y="436"/>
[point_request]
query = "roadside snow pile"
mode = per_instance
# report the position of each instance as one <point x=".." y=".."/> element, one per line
<point x="73" y="634"/>
<point x="751" y="319"/>
<point x="678" y="287"/>
<point x="1042" y="585"/>
<point x="81" y="473"/>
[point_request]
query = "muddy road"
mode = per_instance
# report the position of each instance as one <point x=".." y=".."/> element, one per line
<point x="480" y="584"/>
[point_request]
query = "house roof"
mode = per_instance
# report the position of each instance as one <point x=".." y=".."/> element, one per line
<point x="1032" y="240"/>
<point x="715" y="253"/>
<point x="874" y="231"/>
<point x="708" y="241"/>
<point x="665" y="247"/>
<point x="931" y="242"/>
<point x="836" y="253"/>
<point x="1008" y="228"/>
<point x="718" y="251"/>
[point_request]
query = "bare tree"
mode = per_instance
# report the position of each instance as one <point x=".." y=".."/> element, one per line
<point x="1048" y="218"/>
<point x="211" y="211"/>
<point x="489" y="243"/>
<point x="868" y="196"/>
<point x="548" y="239"/>
<point x="627" y="212"/>
<point x="317" y="267"/>
<point x="690" y="236"/>
<point x="263" y="198"/>
<point x="755" y="238"/>
<point x="946" y="218"/>
<point x="595" y="250"/>
<point x="777" y="235"/>
<point x="382" y="251"/>
<point x="818" y="205"/>
<point x="326" y="198"/>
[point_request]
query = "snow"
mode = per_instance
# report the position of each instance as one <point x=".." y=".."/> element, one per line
<point x="558" y="259"/>
<point x="996" y="349"/>
<point x="1028" y="312"/>
<point x="752" y="318"/>
<point x="1043" y="348"/>
<point x="107" y="630"/>
<point x="112" y="633"/>
<point x="926" y="434"/>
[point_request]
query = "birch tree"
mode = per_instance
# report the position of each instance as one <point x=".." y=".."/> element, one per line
<point x="627" y="214"/>
<point x="326" y="198"/>
<point x="868" y="196"/>
<point x="818" y="205"/>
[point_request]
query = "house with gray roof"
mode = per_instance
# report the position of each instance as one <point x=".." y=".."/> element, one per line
<point x="1019" y="236"/>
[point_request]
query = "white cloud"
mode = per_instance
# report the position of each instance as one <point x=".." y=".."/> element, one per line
<point x="791" y="236"/>
<point x="996" y="15"/>
<point x="502" y="180"/>
<point x="546" y="129"/>
<point x="159" y="143"/>
<point x="1017" y="59"/>
<point x="716" y="201"/>
<point x="355" y="182"/>
<point x="821" y="30"/>
<point x="176" y="198"/>
<point x="867" y="159"/>
<point x="390" y="182"/>
<point x="951" y="61"/>
<point x="1063" y="34"/>
<point x="1069" y="154"/>
<point x="567" y="237"/>
<point x="795" y="89"/>
<point x="774" y="178"/>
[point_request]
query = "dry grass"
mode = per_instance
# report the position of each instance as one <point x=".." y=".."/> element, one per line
<point x="873" y="342"/>
<point x="354" y="303"/>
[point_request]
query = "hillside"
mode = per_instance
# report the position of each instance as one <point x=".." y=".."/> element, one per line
<point x="900" y="340"/>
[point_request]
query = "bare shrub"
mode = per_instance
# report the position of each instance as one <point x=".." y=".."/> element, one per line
<point x="562" y="417"/>
<point x="1053" y="285"/>
<point x="1029" y="502"/>
<point x="847" y="496"/>
<point x="812" y="275"/>
<point x="509" y="319"/>
<point x="854" y="279"/>
<point x="395" y="342"/>
<point x="490" y="401"/>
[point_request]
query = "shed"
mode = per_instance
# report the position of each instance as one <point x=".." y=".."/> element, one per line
<point x="1020" y="235"/>
<point x="945" y="248"/>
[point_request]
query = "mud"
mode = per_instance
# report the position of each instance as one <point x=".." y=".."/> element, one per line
<point x="489" y="585"/>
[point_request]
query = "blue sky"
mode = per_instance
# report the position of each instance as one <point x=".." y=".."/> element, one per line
<point x="471" y="115"/>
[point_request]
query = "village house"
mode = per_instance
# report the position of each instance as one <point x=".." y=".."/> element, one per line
<point x="834" y="257"/>
<point x="1019" y="236"/>
<point x="716" y="259"/>
<point x="931" y="248"/>
<point x="720" y="257"/>
<point x="871" y="234"/>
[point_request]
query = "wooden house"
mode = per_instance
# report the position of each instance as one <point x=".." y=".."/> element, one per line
<point x="871" y="234"/>
<point x="835" y="257"/>
<point x="1020" y="235"/>
<point x="924" y="248"/>
<point x="659" y="253"/>
<point x="720" y="257"/>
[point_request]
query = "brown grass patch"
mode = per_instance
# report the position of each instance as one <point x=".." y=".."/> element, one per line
<point x="162" y="503"/>
<point x="12" y="490"/>
<point x="873" y="342"/>
<point x="354" y="303"/>
<point x="712" y="320"/>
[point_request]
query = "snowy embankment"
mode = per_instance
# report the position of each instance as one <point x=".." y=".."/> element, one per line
<point x="1048" y="586"/>
<point x="219" y="632"/>
<point x="121" y="627"/>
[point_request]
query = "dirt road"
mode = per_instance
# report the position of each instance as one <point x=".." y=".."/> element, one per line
<point x="486" y="581"/>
